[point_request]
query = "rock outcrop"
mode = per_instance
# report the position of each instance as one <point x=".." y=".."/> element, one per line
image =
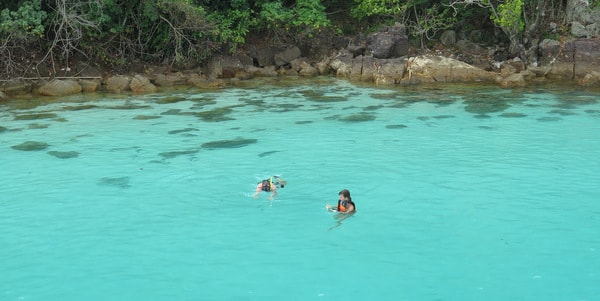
<point x="59" y="87"/>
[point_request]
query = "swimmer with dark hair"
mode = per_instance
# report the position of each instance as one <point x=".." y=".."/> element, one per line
<point x="270" y="185"/>
<point x="345" y="204"/>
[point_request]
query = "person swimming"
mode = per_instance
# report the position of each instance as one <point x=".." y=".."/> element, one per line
<point x="345" y="204"/>
<point x="270" y="185"/>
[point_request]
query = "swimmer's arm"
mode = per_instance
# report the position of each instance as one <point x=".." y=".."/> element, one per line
<point x="258" y="190"/>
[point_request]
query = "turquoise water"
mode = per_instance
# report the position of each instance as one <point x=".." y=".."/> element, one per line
<point x="463" y="193"/>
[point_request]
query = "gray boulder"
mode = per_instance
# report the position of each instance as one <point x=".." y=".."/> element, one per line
<point x="16" y="87"/>
<point x="284" y="57"/>
<point x="265" y="56"/>
<point x="117" y="84"/>
<point x="59" y="87"/>
<point x="141" y="84"/>
<point x="389" y="42"/>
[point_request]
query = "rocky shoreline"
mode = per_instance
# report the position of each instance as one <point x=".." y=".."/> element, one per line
<point x="382" y="58"/>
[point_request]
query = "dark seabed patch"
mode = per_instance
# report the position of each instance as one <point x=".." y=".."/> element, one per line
<point x="173" y="154"/>
<point x="372" y="108"/>
<point x="591" y="112"/>
<point x="129" y="107"/>
<point x="318" y="96"/>
<point x="253" y="102"/>
<point x="485" y="104"/>
<point x="170" y="99"/>
<point x="235" y="143"/>
<point x="3" y="129"/>
<point x="423" y="118"/>
<point x="442" y="102"/>
<point x="562" y="112"/>
<point x="578" y="99"/>
<point x="200" y="104"/>
<point x="303" y="122"/>
<point x="512" y="115"/>
<point x="35" y="126"/>
<point x="80" y="107"/>
<point x="399" y="104"/>
<point x="485" y="127"/>
<point x="186" y="130"/>
<point x="565" y="106"/>
<point x="30" y="146"/>
<point x="267" y="153"/>
<point x="384" y="96"/>
<point x="36" y="116"/>
<point x="395" y="126"/>
<point x="549" y="119"/>
<point x="482" y="116"/>
<point x="285" y="107"/>
<point x="358" y="118"/>
<point x="215" y="115"/>
<point x="444" y="116"/>
<point x="146" y="117"/>
<point x="64" y="155"/>
<point x="172" y="112"/>
<point x="122" y="182"/>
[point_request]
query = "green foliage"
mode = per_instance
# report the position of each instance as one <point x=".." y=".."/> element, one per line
<point x="302" y="19"/>
<point x="26" y="21"/>
<point x="234" y="21"/>
<point x="428" y="21"/>
<point x="151" y="30"/>
<point x="231" y="25"/>
<point x="383" y="8"/>
<point x="509" y="16"/>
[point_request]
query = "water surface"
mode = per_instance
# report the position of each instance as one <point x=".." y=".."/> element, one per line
<point x="463" y="193"/>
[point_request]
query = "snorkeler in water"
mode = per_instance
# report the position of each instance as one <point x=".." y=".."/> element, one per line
<point x="345" y="204"/>
<point x="270" y="185"/>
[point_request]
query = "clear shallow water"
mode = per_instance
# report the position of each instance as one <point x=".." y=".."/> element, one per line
<point x="463" y="193"/>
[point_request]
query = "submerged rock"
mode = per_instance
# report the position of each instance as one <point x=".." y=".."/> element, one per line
<point x="63" y="155"/>
<point x="35" y="116"/>
<point x="122" y="182"/>
<point x="216" y="115"/>
<point x="30" y="146"/>
<point x="395" y="126"/>
<point x="240" y="142"/>
<point x="173" y="154"/>
<point x="358" y="118"/>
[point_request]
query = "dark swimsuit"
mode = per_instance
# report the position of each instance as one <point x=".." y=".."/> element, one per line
<point x="266" y="185"/>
